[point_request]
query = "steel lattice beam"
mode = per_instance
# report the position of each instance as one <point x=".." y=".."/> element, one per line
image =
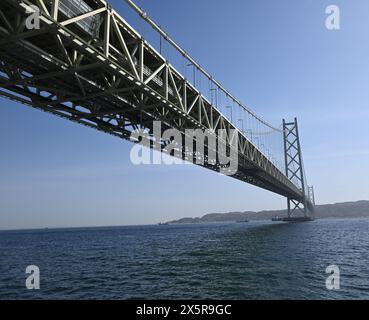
<point x="115" y="82"/>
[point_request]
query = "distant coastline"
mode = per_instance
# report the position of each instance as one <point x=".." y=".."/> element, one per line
<point x="358" y="209"/>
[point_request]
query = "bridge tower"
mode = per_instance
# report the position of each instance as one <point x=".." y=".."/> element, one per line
<point x="297" y="209"/>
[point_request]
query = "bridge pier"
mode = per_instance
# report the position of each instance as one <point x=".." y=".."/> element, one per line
<point x="298" y="219"/>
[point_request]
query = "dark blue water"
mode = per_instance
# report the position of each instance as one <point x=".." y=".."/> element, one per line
<point x="259" y="260"/>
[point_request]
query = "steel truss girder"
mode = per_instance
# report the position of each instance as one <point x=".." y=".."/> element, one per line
<point x="116" y="83"/>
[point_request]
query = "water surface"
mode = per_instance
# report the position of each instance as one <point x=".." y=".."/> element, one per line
<point x="257" y="260"/>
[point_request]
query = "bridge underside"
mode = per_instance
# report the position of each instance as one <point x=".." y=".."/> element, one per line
<point x="114" y="82"/>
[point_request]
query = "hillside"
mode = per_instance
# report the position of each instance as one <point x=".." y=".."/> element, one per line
<point x="359" y="209"/>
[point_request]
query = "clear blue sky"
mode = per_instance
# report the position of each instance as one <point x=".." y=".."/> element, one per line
<point x="276" y="56"/>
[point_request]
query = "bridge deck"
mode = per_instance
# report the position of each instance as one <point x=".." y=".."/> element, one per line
<point x="112" y="80"/>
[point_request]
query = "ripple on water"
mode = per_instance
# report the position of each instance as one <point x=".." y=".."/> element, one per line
<point x="216" y="261"/>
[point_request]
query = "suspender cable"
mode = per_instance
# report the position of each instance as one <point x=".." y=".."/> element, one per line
<point x="166" y="36"/>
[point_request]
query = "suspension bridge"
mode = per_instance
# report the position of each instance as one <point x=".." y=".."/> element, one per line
<point x="84" y="62"/>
